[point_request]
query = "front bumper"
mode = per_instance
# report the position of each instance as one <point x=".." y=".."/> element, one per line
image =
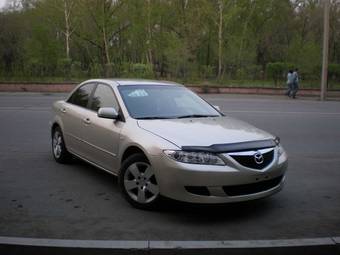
<point x="218" y="184"/>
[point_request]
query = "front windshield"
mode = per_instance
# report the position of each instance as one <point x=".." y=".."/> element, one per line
<point x="164" y="102"/>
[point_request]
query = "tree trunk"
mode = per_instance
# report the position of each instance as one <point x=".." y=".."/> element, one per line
<point x="149" y="36"/>
<point x="67" y="28"/>
<point x="106" y="47"/>
<point x="220" y="39"/>
<point x="105" y="42"/>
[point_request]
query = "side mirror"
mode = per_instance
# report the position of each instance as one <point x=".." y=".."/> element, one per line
<point x="107" y="113"/>
<point x="217" y="107"/>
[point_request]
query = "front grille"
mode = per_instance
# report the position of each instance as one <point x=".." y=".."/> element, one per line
<point x="249" y="160"/>
<point x="246" y="189"/>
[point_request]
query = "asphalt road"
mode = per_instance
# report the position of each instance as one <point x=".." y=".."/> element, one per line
<point x="40" y="198"/>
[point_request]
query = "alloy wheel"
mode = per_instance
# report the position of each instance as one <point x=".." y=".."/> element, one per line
<point x="140" y="183"/>
<point x="57" y="144"/>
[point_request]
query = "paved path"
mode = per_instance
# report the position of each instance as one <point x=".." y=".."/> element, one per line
<point x="40" y="198"/>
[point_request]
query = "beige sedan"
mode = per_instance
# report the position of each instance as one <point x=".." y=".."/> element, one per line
<point x="161" y="139"/>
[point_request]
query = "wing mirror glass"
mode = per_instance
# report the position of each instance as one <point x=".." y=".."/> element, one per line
<point x="107" y="113"/>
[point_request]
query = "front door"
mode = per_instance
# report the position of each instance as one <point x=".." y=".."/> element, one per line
<point x="102" y="135"/>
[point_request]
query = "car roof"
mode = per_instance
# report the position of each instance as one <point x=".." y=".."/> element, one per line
<point x="119" y="82"/>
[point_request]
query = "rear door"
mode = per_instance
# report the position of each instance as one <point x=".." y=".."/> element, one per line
<point x="102" y="135"/>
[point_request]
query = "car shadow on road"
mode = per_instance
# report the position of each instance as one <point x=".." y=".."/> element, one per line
<point x="208" y="213"/>
<point x="189" y="212"/>
<point x="88" y="169"/>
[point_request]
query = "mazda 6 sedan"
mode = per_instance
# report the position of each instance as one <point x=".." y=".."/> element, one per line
<point x="161" y="139"/>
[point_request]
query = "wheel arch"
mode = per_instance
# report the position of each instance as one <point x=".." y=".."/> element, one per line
<point x="54" y="126"/>
<point x="130" y="150"/>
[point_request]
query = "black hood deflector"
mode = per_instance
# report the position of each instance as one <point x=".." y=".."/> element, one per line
<point x="232" y="147"/>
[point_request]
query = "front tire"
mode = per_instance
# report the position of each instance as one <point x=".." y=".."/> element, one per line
<point x="138" y="182"/>
<point x="59" y="151"/>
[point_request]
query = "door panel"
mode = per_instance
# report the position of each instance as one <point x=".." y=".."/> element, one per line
<point x="101" y="135"/>
<point x="102" y="141"/>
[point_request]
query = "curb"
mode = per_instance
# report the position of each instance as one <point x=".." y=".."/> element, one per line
<point x="33" y="246"/>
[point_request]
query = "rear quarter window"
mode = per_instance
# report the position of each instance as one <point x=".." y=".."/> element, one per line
<point x="82" y="95"/>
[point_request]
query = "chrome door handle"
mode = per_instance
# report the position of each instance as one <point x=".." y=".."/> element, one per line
<point x="63" y="110"/>
<point x="87" y="121"/>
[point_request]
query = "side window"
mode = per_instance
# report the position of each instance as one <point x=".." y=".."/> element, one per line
<point x="103" y="97"/>
<point x="81" y="96"/>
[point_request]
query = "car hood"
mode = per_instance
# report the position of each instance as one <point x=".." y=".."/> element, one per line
<point x="204" y="131"/>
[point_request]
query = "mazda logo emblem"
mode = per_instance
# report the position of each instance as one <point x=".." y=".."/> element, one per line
<point x="258" y="157"/>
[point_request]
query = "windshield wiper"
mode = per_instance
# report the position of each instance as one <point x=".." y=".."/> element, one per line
<point x="176" y="117"/>
<point x="195" y="116"/>
<point x="154" y="118"/>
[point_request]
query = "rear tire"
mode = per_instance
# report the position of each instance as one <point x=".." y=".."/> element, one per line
<point x="138" y="182"/>
<point x="59" y="151"/>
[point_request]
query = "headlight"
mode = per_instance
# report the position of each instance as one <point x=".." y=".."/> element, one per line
<point x="203" y="158"/>
<point x="280" y="150"/>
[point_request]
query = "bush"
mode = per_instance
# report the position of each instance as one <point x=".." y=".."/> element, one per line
<point x="249" y="72"/>
<point x="96" y="70"/>
<point x="334" y="72"/>
<point x="276" y="71"/>
<point x="140" y="70"/>
<point x="109" y="70"/>
<point x="64" y="67"/>
<point x="136" y="70"/>
<point x="254" y="72"/>
<point x="76" y="70"/>
<point x="34" y="67"/>
<point x="241" y="74"/>
<point x="207" y="72"/>
<point x="124" y="69"/>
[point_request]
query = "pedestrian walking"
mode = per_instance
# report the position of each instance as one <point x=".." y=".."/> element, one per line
<point x="295" y="83"/>
<point x="290" y="81"/>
